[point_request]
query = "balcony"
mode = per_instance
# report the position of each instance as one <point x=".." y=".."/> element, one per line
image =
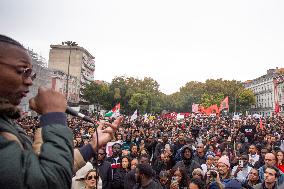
<point x="88" y="77"/>
<point x="84" y="81"/>
<point x="263" y="91"/>
<point x="90" y="64"/>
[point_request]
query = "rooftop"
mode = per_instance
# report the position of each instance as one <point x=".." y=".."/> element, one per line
<point x="72" y="47"/>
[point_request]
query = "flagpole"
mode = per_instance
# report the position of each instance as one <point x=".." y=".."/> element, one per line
<point x="235" y="103"/>
<point x="228" y="104"/>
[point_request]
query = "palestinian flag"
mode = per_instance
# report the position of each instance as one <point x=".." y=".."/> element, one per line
<point x="114" y="112"/>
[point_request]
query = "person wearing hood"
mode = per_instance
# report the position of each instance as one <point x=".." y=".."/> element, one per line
<point x="187" y="161"/>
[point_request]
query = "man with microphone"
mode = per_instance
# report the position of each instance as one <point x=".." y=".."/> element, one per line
<point x="46" y="162"/>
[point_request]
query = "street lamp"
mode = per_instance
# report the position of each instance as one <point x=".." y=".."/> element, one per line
<point x="70" y="44"/>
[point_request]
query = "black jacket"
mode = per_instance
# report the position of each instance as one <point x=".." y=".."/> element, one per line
<point x="129" y="180"/>
<point x="105" y="173"/>
<point x="152" y="185"/>
<point x="115" y="165"/>
<point x="118" y="179"/>
<point x="200" y="160"/>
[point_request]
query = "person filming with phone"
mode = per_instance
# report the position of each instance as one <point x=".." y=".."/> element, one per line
<point x="241" y="171"/>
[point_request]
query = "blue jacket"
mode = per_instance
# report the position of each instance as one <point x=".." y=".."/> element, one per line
<point x="280" y="179"/>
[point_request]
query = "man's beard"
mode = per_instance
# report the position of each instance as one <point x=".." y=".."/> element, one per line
<point x="8" y="109"/>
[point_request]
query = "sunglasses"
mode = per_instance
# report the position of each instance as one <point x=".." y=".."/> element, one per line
<point x="92" y="177"/>
<point x="24" y="72"/>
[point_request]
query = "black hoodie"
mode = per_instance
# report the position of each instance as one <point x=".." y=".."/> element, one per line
<point x="188" y="164"/>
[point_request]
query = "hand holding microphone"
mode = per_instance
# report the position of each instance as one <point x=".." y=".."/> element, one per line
<point x="48" y="100"/>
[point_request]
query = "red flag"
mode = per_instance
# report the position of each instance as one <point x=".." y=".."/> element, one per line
<point x="215" y="109"/>
<point x="225" y="104"/>
<point x="212" y="109"/>
<point x="201" y="109"/>
<point x="277" y="107"/>
<point x="260" y="124"/>
<point x="208" y="110"/>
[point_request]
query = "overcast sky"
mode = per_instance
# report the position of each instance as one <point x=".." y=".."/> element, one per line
<point x="171" y="41"/>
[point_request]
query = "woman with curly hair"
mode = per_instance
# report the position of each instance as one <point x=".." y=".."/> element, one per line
<point x="179" y="178"/>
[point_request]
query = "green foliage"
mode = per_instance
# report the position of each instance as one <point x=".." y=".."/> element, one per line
<point x="139" y="101"/>
<point x="98" y="94"/>
<point x="208" y="99"/>
<point x="144" y="95"/>
<point x="131" y="93"/>
<point x="246" y="99"/>
<point x="208" y="93"/>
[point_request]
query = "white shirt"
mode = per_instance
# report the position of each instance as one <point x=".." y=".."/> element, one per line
<point x="253" y="158"/>
<point x="241" y="175"/>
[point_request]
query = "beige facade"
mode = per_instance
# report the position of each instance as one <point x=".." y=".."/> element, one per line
<point x="58" y="83"/>
<point x="59" y="58"/>
<point x="264" y="90"/>
<point x="81" y="65"/>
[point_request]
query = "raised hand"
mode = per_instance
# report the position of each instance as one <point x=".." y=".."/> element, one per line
<point x="106" y="132"/>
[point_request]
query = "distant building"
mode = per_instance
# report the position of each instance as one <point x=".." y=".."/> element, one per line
<point x="81" y="65"/>
<point x="58" y="83"/>
<point x="42" y="79"/>
<point x="265" y="94"/>
<point x="279" y="92"/>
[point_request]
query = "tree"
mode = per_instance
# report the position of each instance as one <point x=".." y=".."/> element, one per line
<point x="117" y="95"/>
<point x="133" y="93"/>
<point x="189" y="94"/>
<point x="139" y="101"/>
<point x="246" y="99"/>
<point x="118" y="88"/>
<point x="124" y="88"/>
<point x="98" y="94"/>
<point x="208" y="100"/>
<point x="36" y="58"/>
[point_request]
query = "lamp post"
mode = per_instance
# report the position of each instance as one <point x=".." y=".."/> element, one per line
<point x="70" y="44"/>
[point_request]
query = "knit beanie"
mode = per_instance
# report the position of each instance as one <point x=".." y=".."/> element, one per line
<point x="225" y="160"/>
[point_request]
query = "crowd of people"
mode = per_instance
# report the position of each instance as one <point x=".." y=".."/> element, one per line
<point x="198" y="151"/>
<point x="53" y="151"/>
